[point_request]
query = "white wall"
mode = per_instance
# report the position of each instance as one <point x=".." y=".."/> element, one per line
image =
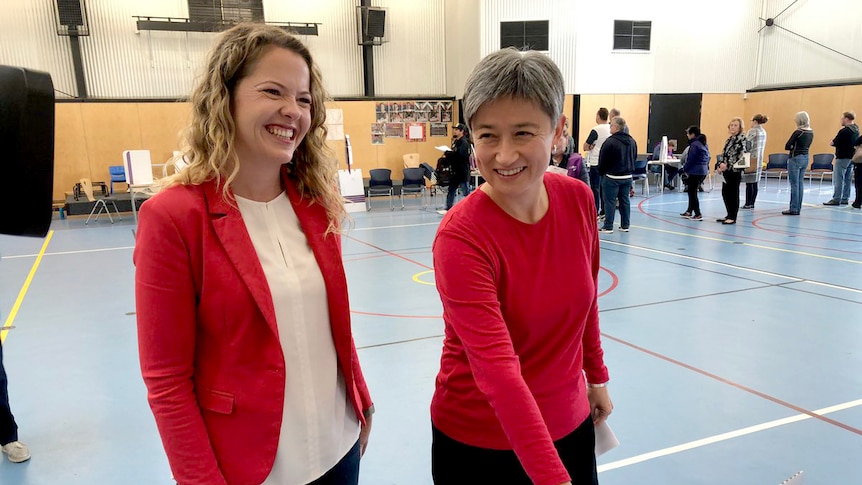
<point x="463" y="38"/>
<point x="695" y="47"/>
<point x="562" y="29"/>
<point x="788" y="59"/>
<point x="122" y="63"/>
<point x="413" y="62"/>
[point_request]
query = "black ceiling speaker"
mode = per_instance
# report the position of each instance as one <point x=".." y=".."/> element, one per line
<point x="71" y="16"/>
<point x="27" y="158"/>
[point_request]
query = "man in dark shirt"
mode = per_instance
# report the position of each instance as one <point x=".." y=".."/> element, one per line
<point x="844" y="143"/>
<point x="616" y="163"/>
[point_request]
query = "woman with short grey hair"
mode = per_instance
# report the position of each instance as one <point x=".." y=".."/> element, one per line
<point x="522" y="380"/>
<point x="798" y="145"/>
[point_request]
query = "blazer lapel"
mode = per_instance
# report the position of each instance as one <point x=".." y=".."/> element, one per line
<point x="327" y="251"/>
<point x="231" y="231"/>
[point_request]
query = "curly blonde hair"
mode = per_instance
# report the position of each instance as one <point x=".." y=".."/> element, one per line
<point x="210" y="153"/>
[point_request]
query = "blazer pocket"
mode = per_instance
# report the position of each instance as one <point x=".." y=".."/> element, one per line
<point x="216" y="401"/>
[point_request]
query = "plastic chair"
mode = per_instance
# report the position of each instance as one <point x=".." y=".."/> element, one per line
<point x="118" y="175"/>
<point x="380" y="184"/>
<point x="411" y="160"/>
<point x="821" y="164"/>
<point x="413" y="182"/>
<point x="776" y="163"/>
<point x="640" y="174"/>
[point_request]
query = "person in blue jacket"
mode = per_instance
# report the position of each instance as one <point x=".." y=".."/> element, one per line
<point x="694" y="170"/>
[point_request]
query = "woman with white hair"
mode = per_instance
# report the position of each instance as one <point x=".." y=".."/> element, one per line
<point x="522" y="379"/>
<point x="798" y="145"/>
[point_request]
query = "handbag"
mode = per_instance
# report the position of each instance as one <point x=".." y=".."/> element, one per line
<point x="857" y="155"/>
<point x="743" y="162"/>
<point x="752" y="167"/>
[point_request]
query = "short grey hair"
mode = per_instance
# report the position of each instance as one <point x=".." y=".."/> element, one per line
<point x="620" y="122"/>
<point x="510" y="73"/>
<point x="802" y="119"/>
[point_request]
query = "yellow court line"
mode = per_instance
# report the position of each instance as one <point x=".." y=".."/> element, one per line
<point x="760" y="246"/>
<point x="417" y="275"/>
<point x="11" y="317"/>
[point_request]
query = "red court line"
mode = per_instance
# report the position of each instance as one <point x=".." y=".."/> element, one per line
<point x="768" y="241"/>
<point x="736" y="385"/>
<point x="756" y="224"/>
<point x="614" y="281"/>
<point x="389" y="252"/>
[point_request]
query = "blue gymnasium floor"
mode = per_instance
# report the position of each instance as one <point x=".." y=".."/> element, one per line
<point x="734" y="351"/>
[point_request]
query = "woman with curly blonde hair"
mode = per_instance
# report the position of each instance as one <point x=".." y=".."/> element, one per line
<point x="243" y="316"/>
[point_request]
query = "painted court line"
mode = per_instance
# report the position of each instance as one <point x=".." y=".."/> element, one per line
<point x="792" y="279"/>
<point x="17" y="305"/>
<point x="60" y="253"/>
<point x="725" y="436"/>
<point x="392" y="227"/>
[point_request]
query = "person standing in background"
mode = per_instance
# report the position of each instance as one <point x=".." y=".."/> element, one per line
<point x="695" y="168"/>
<point x="16" y="451"/>
<point x="844" y="143"/>
<point x="755" y="143"/>
<point x="734" y="149"/>
<point x="593" y="145"/>
<point x="616" y="164"/>
<point x="798" y="144"/>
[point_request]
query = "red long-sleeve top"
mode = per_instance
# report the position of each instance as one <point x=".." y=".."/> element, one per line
<point x="522" y="325"/>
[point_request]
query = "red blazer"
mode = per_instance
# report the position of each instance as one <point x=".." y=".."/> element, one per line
<point x="207" y="335"/>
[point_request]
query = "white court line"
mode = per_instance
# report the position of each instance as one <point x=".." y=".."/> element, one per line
<point x="717" y="263"/>
<point x="60" y="253"/>
<point x="724" y="436"/>
<point x="392" y="227"/>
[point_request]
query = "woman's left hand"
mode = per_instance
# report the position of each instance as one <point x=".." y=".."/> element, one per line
<point x="600" y="404"/>
<point x="363" y="435"/>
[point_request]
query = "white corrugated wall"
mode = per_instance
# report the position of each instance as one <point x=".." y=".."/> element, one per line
<point x="28" y="38"/>
<point x="788" y="59"/>
<point x="413" y="62"/>
<point x="562" y="38"/>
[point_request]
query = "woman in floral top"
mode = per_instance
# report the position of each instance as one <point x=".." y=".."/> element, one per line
<point x="733" y="151"/>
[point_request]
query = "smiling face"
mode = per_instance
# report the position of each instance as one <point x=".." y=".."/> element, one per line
<point x="271" y="108"/>
<point x="513" y="139"/>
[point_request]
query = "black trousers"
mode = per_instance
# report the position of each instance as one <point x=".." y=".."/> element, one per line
<point x="750" y="193"/>
<point x="454" y="463"/>
<point x="730" y="192"/>
<point x="692" y="183"/>
<point x="8" y="428"/>
<point x="857" y="181"/>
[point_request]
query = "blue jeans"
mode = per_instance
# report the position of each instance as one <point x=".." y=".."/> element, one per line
<point x="596" y="186"/>
<point x="345" y="472"/>
<point x="613" y="190"/>
<point x="841" y="180"/>
<point x="8" y="428"/>
<point x="796" y="174"/>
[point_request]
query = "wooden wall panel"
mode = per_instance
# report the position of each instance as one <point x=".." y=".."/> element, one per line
<point x="780" y="107"/>
<point x="715" y="114"/>
<point x="852" y="101"/>
<point x="634" y="108"/>
<point x="110" y="128"/>
<point x="824" y="106"/>
<point x="162" y="125"/>
<point x="590" y="104"/>
<point x="71" y="160"/>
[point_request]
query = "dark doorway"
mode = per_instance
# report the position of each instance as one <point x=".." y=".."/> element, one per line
<point x="671" y="114"/>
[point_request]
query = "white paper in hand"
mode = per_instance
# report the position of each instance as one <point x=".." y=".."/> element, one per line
<point x="443" y="148"/>
<point x="605" y="439"/>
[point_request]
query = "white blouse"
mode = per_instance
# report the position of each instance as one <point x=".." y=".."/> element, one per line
<point x="319" y="425"/>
